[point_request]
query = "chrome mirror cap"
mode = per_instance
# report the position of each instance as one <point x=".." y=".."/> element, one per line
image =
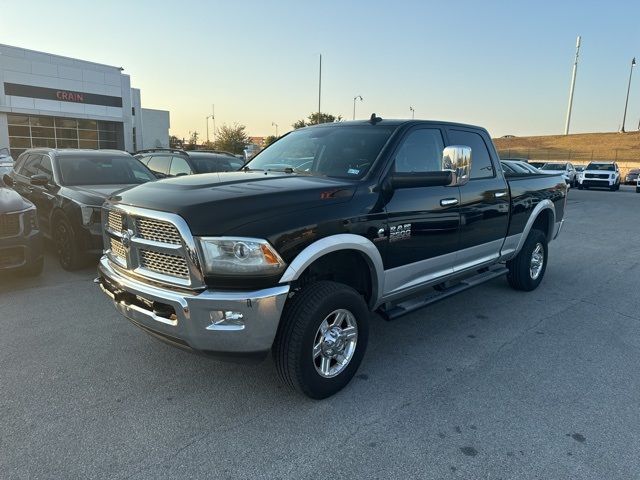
<point x="457" y="160"/>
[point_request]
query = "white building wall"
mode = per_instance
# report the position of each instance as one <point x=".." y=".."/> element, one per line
<point x="37" y="69"/>
<point x="155" y="128"/>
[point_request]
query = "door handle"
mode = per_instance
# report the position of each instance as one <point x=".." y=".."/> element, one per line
<point x="500" y="194"/>
<point x="448" y="202"/>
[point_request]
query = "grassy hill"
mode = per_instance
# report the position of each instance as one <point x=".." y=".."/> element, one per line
<point x="578" y="148"/>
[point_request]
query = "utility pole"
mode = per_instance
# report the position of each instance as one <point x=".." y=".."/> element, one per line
<point x="626" y="102"/>
<point x="213" y="117"/>
<point x="319" y="87"/>
<point x="413" y="113"/>
<point x="273" y="124"/>
<point x="354" y="104"/>
<point x="573" y="84"/>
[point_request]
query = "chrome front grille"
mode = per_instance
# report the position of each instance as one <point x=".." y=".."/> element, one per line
<point x="157" y="230"/>
<point x="115" y="221"/>
<point x="148" y="244"/>
<point x="9" y="224"/>
<point x="164" y="263"/>
<point x="118" y="249"/>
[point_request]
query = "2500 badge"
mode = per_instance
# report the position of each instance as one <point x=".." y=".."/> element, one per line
<point x="400" y="232"/>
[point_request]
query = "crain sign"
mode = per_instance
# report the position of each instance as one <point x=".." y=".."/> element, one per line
<point x="400" y="232"/>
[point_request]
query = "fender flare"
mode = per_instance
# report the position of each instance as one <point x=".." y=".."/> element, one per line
<point x="545" y="204"/>
<point x="335" y="243"/>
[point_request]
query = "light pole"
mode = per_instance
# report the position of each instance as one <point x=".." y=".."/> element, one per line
<point x="354" y="104"/>
<point x="573" y="85"/>
<point x="206" y="119"/>
<point x="624" y="116"/>
<point x="273" y="124"/>
<point x="413" y="113"/>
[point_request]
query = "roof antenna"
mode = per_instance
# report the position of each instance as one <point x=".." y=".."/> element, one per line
<point x="373" y="120"/>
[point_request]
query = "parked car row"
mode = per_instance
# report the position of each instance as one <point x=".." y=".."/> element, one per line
<point x="60" y="193"/>
<point x="594" y="175"/>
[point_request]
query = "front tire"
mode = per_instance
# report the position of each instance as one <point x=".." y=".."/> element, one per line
<point x="69" y="256"/>
<point x="321" y="339"/>
<point x="527" y="269"/>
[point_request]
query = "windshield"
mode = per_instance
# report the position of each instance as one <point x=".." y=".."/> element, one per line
<point x="607" y="167"/>
<point x="339" y="151"/>
<point x="204" y="163"/>
<point x="554" y="166"/>
<point x="103" y="170"/>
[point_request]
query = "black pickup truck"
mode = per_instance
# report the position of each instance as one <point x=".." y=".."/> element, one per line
<point x="292" y="253"/>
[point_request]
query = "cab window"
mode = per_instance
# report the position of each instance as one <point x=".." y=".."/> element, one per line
<point x="481" y="166"/>
<point x="420" y="151"/>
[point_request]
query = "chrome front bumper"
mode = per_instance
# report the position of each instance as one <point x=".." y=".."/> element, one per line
<point x="186" y="320"/>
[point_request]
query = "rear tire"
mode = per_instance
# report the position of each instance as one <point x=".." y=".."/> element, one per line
<point x="312" y="341"/>
<point x="527" y="269"/>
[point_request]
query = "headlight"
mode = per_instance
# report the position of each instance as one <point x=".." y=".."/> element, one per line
<point x="235" y="256"/>
<point x="30" y="219"/>
<point x="90" y="214"/>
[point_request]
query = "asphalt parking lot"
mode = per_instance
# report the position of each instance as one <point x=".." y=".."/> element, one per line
<point x="491" y="383"/>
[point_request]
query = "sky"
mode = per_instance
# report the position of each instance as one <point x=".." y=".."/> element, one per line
<point x="504" y="65"/>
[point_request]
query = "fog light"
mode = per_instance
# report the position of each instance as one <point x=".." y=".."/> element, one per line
<point x="221" y="319"/>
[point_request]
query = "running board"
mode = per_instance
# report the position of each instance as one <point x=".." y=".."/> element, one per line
<point x="413" y="304"/>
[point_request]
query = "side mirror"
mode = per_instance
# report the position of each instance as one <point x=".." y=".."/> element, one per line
<point x="8" y="181"/>
<point x="39" y="180"/>
<point x="456" y="159"/>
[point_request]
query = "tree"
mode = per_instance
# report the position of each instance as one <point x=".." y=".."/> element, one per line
<point x="313" y="119"/>
<point x="175" y="142"/>
<point x="269" y="140"/>
<point x="193" y="141"/>
<point x="231" y="138"/>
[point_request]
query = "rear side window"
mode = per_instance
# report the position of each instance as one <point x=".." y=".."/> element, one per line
<point x="159" y="165"/>
<point x="481" y="166"/>
<point x="179" y="166"/>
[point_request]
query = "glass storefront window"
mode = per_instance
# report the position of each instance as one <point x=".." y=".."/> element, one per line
<point x="66" y="123"/>
<point x="16" y="131"/>
<point x="89" y="144"/>
<point x="66" y="133"/>
<point x="44" y="142"/>
<point x="63" y="143"/>
<point x="88" y="134"/>
<point x="20" y="142"/>
<point x="43" y="132"/>
<point x="58" y="132"/>
<point x="88" y="124"/>
<point x="41" y="121"/>
<point x="17" y="119"/>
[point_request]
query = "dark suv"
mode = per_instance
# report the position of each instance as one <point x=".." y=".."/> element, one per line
<point x="68" y="188"/>
<point x="164" y="162"/>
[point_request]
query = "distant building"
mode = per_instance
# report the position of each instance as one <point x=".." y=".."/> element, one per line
<point x="53" y="101"/>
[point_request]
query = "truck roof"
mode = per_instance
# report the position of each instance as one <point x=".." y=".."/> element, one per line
<point x="396" y="122"/>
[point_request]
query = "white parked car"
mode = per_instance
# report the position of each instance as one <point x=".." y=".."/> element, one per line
<point x="567" y="169"/>
<point x="600" y="175"/>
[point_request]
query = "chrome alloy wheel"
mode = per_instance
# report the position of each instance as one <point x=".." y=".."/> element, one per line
<point x="335" y="343"/>
<point x="537" y="261"/>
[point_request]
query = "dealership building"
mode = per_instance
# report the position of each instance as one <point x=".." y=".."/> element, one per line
<point x="52" y="101"/>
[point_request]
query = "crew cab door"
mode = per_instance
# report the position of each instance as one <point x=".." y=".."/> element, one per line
<point x="422" y="223"/>
<point x="484" y="201"/>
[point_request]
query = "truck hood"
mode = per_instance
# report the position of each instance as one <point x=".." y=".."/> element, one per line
<point x="216" y="203"/>
<point x="93" y="194"/>
<point x="11" y="201"/>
